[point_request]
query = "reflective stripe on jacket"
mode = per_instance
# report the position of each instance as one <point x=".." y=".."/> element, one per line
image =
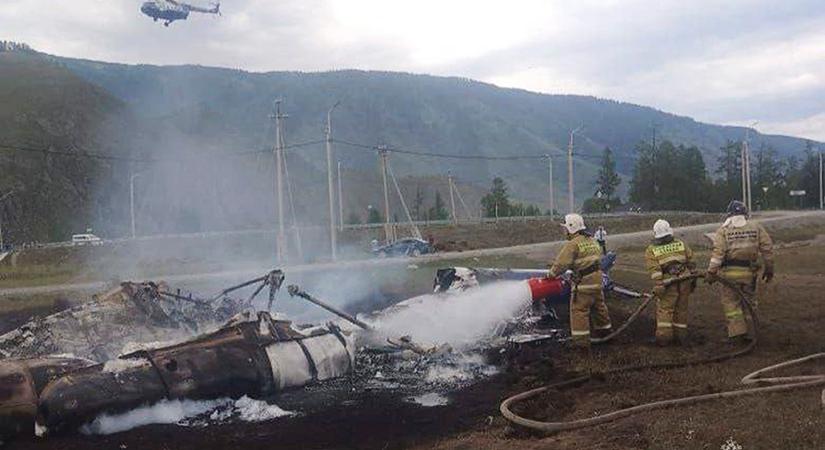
<point x="580" y="253"/>
<point x="744" y="243"/>
<point x="660" y="259"/>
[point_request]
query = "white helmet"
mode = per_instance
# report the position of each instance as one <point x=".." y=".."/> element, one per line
<point x="661" y="229"/>
<point x="573" y="223"/>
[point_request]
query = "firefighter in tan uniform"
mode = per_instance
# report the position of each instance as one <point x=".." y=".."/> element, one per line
<point x="668" y="258"/>
<point x="582" y="255"/>
<point x="737" y="245"/>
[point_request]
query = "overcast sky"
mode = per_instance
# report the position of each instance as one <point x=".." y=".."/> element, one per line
<point x="722" y="61"/>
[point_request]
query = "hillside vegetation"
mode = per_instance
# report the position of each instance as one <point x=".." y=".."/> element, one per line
<point x="199" y="142"/>
<point x="45" y="106"/>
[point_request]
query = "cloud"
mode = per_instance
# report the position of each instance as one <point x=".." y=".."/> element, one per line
<point x="732" y="61"/>
<point x="812" y="127"/>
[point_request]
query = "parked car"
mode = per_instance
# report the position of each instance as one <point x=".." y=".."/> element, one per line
<point x="86" y="239"/>
<point x="404" y="247"/>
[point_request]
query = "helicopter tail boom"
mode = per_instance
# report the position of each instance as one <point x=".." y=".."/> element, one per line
<point x="216" y="9"/>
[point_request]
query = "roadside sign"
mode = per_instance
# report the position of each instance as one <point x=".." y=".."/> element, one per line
<point x="797" y="193"/>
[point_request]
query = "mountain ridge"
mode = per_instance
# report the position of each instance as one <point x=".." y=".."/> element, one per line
<point x="192" y="113"/>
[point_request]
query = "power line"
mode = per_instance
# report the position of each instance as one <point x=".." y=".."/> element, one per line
<point x="442" y="155"/>
<point x="406" y="151"/>
<point x="267" y="151"/>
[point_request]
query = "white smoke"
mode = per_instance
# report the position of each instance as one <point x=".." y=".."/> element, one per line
<point x="460" y="320"/>
<point x="177" y="411"/>
<point x="163" y="412"/>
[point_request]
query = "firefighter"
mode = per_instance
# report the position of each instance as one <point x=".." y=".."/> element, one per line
<point x="582" y="256"/>
<point x="668" y="258"/>
<point x="737" y="245"/>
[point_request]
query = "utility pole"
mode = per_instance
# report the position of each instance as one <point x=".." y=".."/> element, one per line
<point x="340" y="200"/>
<point x="743" y="157"/>
<point x="333" y="236"/>
<point x="552" y="195"/>
<point x="452" y="196"/>
<point x="821" y="199"/>
<point x="746" y="169"/>
<point x="382" y="154"/>
<point x="653" y="161"/>
<point x="132" y="202"/>
<point x="571" y="205"/>
<point x="279" y="183"/>
<point x="748" y="174"/>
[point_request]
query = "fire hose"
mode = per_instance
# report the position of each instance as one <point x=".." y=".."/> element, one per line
<point x="776" y="384"/>
<point x="647" y="299"/>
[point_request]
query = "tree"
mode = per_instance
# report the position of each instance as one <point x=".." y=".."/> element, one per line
<point x="599" y="205"/>
<point x="670" y="177"/>
<point x="497" y="202"/>
<point x="374" y="216"/>
<point x="606" y="183"/>
<point x="643" y="183"/>
<point x="806" y="178"/>
<point x="768" y="182"/>
<point x="438" y="212"/>
<point x="729" y="168"/>
<point x="418" y="202"/>
<point x="608" y="179"/>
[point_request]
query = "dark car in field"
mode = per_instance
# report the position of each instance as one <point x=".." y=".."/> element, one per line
<point x="404" y="247"/>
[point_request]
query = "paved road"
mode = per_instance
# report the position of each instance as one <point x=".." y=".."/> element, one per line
<point x="542" y="251"/>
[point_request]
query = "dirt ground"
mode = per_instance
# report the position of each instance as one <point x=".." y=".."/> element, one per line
<point x="792" y="316"/>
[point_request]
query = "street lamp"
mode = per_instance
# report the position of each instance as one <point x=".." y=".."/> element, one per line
<point x="333" y="238"/>
<point x="132" y="200"/>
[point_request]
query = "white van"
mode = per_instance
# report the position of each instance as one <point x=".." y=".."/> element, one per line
<point x="86" y="239"/>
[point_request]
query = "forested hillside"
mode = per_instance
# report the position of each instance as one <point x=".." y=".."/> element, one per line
<point x="197" y="142"/>
<point x="47" y="107"/>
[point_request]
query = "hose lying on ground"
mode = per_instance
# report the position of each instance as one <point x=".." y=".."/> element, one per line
<point x="635" y="315"/>
<point x="778" y="384"/>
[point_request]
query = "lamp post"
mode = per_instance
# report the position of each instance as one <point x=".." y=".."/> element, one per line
<point x="570" y="185"/>
<point x="132" y="201"/>
<point x="333" y="233"/>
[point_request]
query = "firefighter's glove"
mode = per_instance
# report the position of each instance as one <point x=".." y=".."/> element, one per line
<point x="711" y="277"/>
<point x="659" y="290"/>
<point x="767" y="274"/>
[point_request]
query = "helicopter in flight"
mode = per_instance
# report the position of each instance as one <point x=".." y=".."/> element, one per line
<point x="171" y="10"/>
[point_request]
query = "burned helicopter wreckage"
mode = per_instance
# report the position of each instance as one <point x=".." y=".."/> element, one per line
<point x="252" y="354"/>
<point x="129" y="313"/>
